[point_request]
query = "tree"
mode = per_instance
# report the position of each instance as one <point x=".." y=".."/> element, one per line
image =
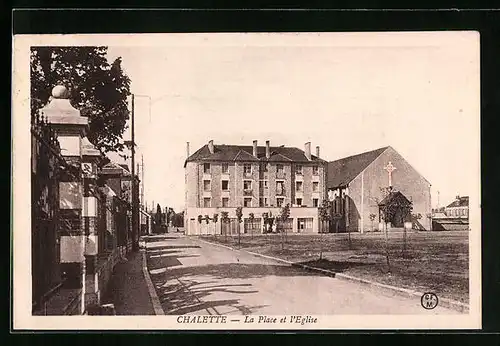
<point x="372" y="218"/>
<point x="270" y="221"/>
<point x="215" y="218"/>
<point x="158" y="218"/>
<point x="239" y="215"/>
<point x="265" y="218"/>
<point x="283" y="217"/>
<point x="225" y="220"/>
<point x="324" y="216"/>
<point x="98" y="88"/>
<point x="170" y="216"/>
<point x="251" y="218"/>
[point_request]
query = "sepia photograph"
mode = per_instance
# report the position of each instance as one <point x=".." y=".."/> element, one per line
<point x="247" y="181"/>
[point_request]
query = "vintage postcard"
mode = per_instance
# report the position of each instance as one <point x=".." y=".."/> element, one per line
<point x="231" y="181"/>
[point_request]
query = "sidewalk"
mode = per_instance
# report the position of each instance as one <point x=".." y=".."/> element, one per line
<point x="128" y="290"/>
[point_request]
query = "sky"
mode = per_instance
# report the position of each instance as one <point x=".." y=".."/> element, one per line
<point x="347" y="93"/>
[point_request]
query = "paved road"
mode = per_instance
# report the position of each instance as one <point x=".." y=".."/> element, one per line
<point x="197" y="278"/>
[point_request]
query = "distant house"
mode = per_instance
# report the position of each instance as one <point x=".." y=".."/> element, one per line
<point x="458" y="208"/>
<point x="453" y="217"/>
<point x="358" y="185"/>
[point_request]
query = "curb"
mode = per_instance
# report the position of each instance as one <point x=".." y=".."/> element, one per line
<point x="221" y="245"/>
<point x="445" y="302"/>
<point x="155" y="301"/>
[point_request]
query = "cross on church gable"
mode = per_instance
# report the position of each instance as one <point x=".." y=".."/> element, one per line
<point x="390" y="168"/>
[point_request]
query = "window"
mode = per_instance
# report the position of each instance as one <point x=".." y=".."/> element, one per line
<point x="299" y="185"/>
<point x="225" y="185"/>
<point x="206" y="185"/>
<point x="206" y="202"/>
<point x="247" y="169"/>
<point x="298" y="169"/>
<point x="279" y="170"/>
<point x="263" y="184"/>
<point x="206" y="168"/>
<point x="280" y="187"/>
<point x="315" y="186"/>
<point x="225" y="168"/>
<point x="315" y="170"/>
<point x="247" y="185"/>
<point x="315" y="202"/>
<point x="299" y="201"/>
<point x="247" y="202"/>
<point x="225" y="202"/>
<point x="304" y="224"/>
<point x="263" y="202"/>
<point x="280" y="202"/>
<point x="263" y="167"/>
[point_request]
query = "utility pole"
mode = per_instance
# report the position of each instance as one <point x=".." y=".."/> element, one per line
<point x="135" y="244"/>
<point x="143" y="203"/>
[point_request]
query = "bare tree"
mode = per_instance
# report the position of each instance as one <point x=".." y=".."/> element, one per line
<point x="372" y="218"/>
<point x="239" y="215"/>
<point x="215" y="218"/>
<point x="283" y="217"/>
<point x="251" y="218"/>
<point x="225" y="220"/>
<point x="324" y="216"/>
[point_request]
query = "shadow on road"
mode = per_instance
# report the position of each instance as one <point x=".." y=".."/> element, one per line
<point x="240" y="271"/>
<point x="183" y="296"/>
<point x="335" y="266"/>
<point x="159" y="238"/>
<point x="163" y="247"/>
<point x="185" y="290"/>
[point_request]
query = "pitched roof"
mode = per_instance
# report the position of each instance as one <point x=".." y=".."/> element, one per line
<point x="459" y="202"/>
<point x="113" y="168"/>
<point x="124" y="166"/>
<point x="395" y="197"/>
<point x="225" y="152"/>
<point x="343" y="171"/>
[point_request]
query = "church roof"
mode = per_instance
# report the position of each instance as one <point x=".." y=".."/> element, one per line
<point x="459" y="202"/>
<point x="225" y="152"/>
<point x="342" y="172"/>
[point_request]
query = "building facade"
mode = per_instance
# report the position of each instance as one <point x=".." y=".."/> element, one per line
<point x="260" y="179"/>
<point x="358" y="184"/>
<point x="458" y="208"/>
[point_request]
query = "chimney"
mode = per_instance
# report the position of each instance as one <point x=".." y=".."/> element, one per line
<point x="308" y="150"/>
<point x="268" y="150"/>
<point x="255" y="148"/>
<point x="317" y="151"/>
<point x="187" y="149"/>
<point x="211" y="146"/>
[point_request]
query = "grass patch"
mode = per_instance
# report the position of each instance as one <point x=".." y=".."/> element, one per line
<point x="433" y="261"/>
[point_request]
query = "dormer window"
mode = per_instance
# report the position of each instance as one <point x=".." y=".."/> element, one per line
<point x="225" y="168"/>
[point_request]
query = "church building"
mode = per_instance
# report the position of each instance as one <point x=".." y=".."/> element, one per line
<point x="363" y="185"/>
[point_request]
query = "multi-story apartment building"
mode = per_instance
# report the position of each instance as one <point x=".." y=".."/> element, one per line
<point x="260" y="179"/>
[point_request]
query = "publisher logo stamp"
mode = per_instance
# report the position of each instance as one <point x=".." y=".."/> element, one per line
<point x="429" y="301"/>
